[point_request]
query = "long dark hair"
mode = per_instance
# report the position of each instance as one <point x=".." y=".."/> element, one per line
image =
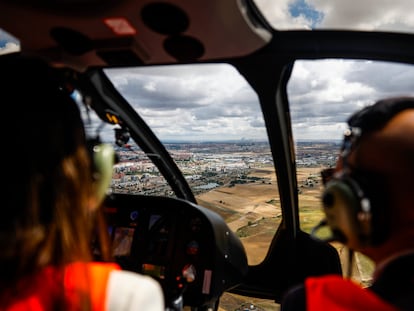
<point x="46" y="219"/>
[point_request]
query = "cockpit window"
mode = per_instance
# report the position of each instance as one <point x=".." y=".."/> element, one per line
<point x="209" y="119"/>
<point x="322" y="95"/>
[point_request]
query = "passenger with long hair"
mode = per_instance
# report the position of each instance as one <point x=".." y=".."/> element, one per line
<point x="49" y="206"/>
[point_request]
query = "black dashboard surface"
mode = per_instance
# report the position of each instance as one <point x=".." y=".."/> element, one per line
<point x="189" y="249"/>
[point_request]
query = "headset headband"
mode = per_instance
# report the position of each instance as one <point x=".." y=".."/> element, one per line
<point x="350" y="140"/>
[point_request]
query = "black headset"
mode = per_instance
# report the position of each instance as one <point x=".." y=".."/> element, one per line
<point x="354" y="200"/>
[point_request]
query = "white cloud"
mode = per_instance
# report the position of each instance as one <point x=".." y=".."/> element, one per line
<point x="277" y="13"/>
<point x="324" y="93"/>
<point x="10" y="47"/>
<point x="365" y="15"/>
<point x="204" y="102"/>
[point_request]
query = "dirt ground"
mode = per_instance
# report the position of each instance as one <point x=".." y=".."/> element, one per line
<point x="253" y="209"/>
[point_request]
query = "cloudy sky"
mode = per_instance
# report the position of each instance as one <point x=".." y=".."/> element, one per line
<point x="214" y="102"/>
<point x="211" y="102"/>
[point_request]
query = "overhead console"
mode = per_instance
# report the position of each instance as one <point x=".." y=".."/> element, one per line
<point x="189" y="249"/>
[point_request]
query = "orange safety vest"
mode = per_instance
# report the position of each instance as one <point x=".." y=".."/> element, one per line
<point x="334" y="293"/>
<point x="88" y="280"/>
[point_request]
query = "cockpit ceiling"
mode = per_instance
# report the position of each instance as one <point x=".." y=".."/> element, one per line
<point x="134" y="32"/>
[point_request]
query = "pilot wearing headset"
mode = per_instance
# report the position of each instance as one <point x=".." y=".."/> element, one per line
<point x="51" y="197"/>
<point x="369" y="206"/>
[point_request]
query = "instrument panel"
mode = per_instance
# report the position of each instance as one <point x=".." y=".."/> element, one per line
<point x="189" y="249"/>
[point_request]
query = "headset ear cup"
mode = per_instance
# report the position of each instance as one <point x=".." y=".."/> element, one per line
<point x="342" y="207"/>
<point x="103" y="157"/>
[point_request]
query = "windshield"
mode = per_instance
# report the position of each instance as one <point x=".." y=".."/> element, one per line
<point x="209" y="119"/>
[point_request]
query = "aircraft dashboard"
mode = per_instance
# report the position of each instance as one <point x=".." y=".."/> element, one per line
<point x="190" y="250"/>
